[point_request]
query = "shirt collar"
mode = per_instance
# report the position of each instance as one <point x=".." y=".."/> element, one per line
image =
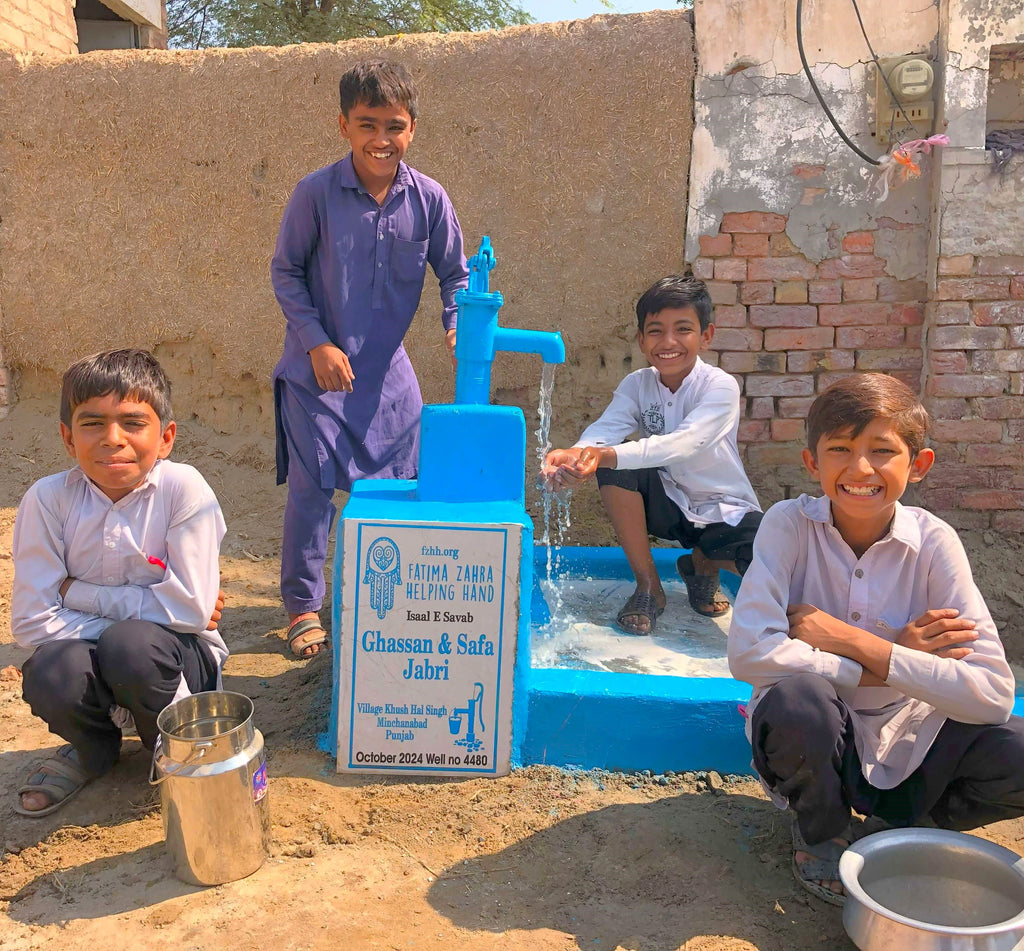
<point x="904" y="527"/>
<point x="699" y="369"/>
<point x="348" y="178"/>
<point x="149" y="484"/>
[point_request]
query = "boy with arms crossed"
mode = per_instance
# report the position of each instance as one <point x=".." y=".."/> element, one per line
<point x="682" y="479"/>
<point x="348" y="272"/>
<point x="115" y="575"/>
<point x="880" y="683"/>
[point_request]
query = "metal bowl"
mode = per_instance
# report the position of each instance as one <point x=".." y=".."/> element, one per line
<point x="932" y="890"/>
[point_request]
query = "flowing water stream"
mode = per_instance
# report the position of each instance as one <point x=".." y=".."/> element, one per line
<point x="555" y="503"/>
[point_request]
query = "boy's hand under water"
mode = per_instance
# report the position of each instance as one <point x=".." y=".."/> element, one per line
<point x="569" y="468"/>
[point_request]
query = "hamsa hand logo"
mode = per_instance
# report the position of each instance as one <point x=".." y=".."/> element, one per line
<point x="383" y="573"/>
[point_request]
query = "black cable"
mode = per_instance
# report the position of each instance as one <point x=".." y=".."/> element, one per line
<point x="878" y="66"/>
<point x="817" y="92"/>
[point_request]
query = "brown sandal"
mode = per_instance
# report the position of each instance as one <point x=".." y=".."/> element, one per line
<point x="60" y="778"/>
<point x="304" y="634"/>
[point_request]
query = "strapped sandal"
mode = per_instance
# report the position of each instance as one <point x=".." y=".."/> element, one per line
<point x="822" y="866"/>
<point x="308" y="632"/>
<point x="640" y="604"/>
<point x="63" y="779"/>
<point x="701" y="589"/>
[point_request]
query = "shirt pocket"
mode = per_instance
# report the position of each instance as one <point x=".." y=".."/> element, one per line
<point x="408" y="260"/>
<point x="889" y="628"/>
<point x="140" y="571"/>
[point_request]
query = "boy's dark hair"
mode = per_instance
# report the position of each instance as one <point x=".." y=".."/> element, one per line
<point x="675" y="291"/>
<point x="854" y="401"/>
<point x="376" y="83"/>
<point x="128" y="373"/>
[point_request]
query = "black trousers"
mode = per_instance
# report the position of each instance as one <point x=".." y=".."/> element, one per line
<point x="719" y="541"/>
<point x="135" y="664"/>
<point x="802" y="736"/>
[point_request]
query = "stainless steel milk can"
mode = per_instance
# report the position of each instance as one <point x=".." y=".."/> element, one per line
<point x="210" y="765"/>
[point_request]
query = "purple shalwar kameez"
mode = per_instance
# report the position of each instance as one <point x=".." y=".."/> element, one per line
<point x="350" y="272"/>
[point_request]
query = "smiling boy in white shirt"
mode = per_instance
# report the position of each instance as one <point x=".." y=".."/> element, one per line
<point x="116" y="578"/>
<point x="880" y="683"/>
<point x="682" y="478"/>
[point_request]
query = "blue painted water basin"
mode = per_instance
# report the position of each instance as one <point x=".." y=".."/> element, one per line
<point x="598" y="699"/>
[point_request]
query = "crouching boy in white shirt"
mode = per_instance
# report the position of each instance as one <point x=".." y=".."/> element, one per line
<point x="880" y="683"/>
<point x="116" y="579"/>
<point x="682" y="478"/>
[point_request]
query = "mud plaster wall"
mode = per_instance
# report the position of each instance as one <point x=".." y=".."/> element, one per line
<point x="141" y="195"/>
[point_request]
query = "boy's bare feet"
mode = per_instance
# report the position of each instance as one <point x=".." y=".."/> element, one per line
<point x="306" y="635"/>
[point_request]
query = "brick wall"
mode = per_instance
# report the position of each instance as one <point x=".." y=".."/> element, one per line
<point x="974" y="349"/>
<point x="38" y="26"/>
<point x="786" y="327"/>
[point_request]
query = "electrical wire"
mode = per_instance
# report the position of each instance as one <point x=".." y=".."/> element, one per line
<point x="817" y="92"/>
<point x="881" y="72"/>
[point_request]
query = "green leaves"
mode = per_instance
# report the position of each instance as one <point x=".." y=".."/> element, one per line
<point x="193" y="24"/>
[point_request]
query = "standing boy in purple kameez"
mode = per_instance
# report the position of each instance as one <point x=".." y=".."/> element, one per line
<point x="348" y="272"/>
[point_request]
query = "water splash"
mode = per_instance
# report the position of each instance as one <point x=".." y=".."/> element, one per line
<point x="581" y="634"/>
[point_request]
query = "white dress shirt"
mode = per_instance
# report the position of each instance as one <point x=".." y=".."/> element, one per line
<point x="800" y="558"/>
<point x="66" y="527"/>
<point x="689" y="435"/>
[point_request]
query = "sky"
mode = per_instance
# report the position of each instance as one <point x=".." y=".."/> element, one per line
<point x="546" y="11"/>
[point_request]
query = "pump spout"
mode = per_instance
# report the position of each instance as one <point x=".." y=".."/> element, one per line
<point x="479" y="337"/>
<point x="548" y="345"/>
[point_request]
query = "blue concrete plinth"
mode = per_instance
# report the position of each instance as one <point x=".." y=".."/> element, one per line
<point x="595" y="719"/>
<point x="621" y="721"/>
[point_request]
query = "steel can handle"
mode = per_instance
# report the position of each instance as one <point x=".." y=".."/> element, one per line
<point x="197" y="754"/>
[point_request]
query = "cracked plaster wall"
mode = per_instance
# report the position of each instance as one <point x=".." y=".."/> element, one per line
<point x="761" y="139"/>
<point x="1006" y="89"/>
<point x="979" y="212"/>
<point x="970" y="29"/>
<point x="976" y="212"/>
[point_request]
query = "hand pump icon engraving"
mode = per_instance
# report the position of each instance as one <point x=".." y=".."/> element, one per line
<point x="472" y="711"/>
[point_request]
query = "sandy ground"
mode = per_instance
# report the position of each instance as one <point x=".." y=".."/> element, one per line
<point x="543" y="859"/>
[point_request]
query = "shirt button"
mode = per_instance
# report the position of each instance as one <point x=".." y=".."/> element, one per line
<point x="670" y="402"/>
<point x="380" y="264"/>
<point x="110" y="579"/>
<point x="111" y="544"/>
<point x="856" y="615"/>
<point x="859" y="572"/>
<point x="380" y="235"/>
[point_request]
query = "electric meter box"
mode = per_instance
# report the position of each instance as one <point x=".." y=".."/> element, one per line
<point x="912" y="79"/>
